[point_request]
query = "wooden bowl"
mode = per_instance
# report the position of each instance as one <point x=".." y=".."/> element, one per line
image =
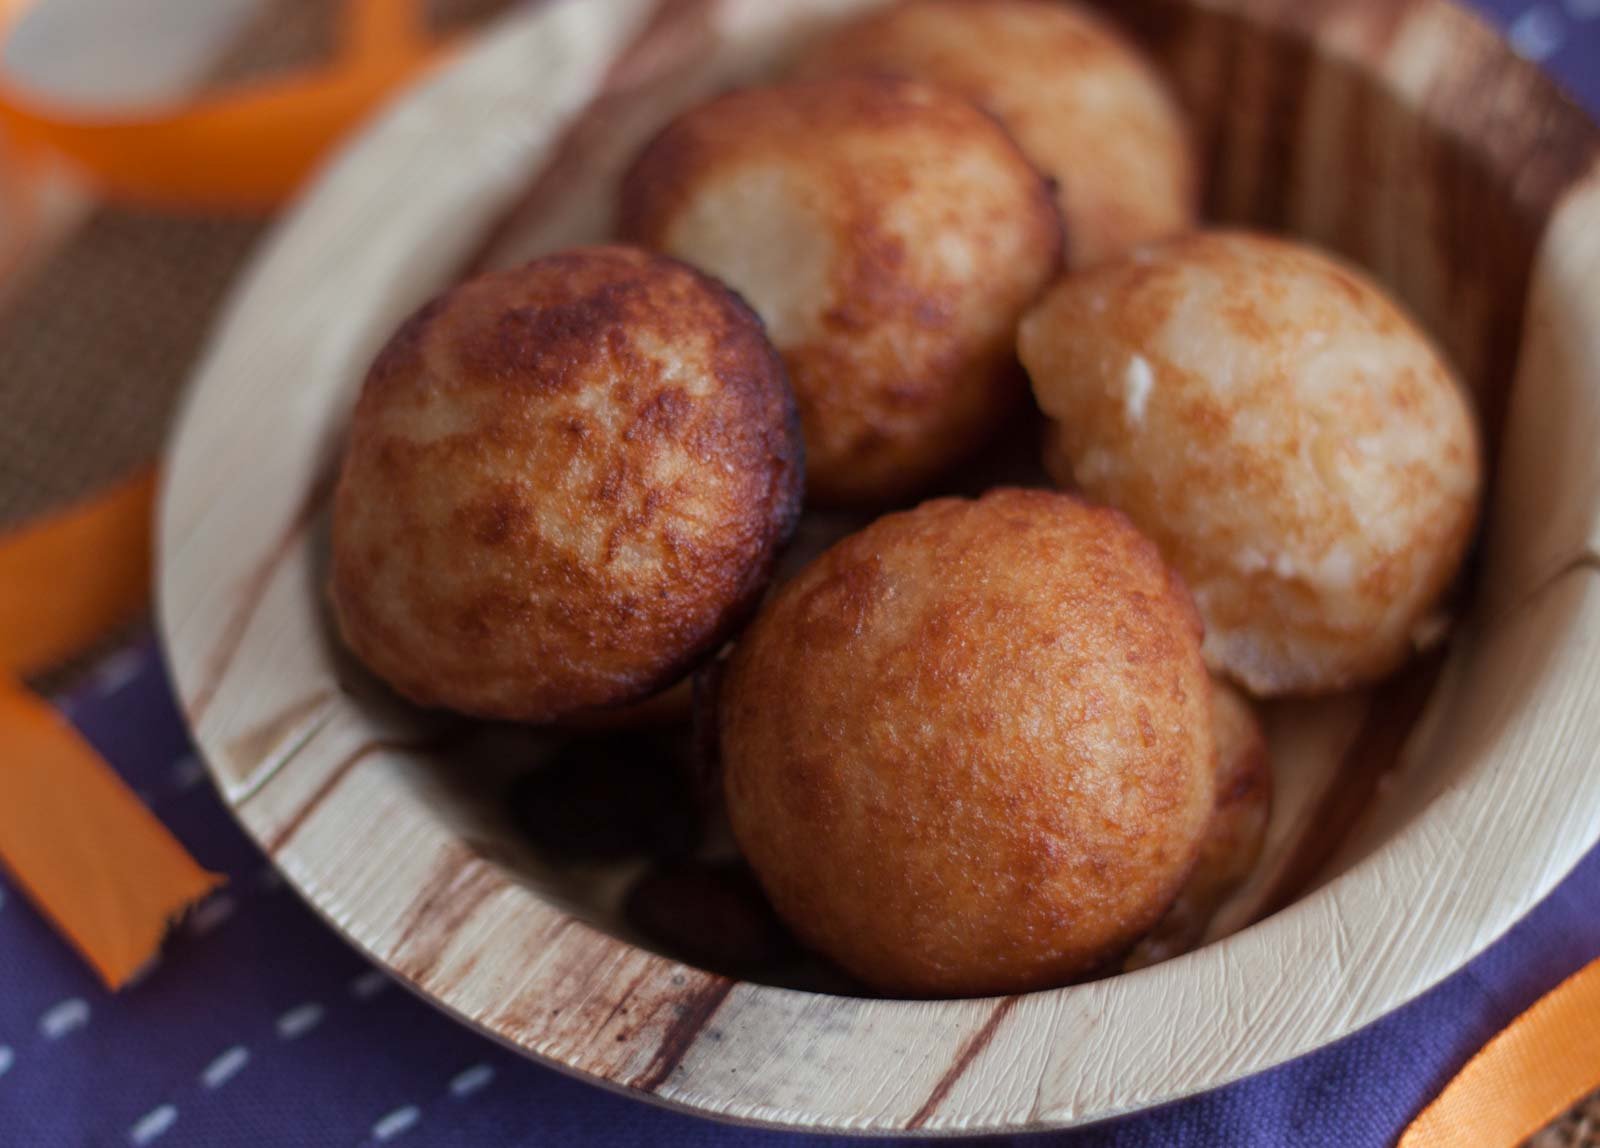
<point x="1415" y="823"/>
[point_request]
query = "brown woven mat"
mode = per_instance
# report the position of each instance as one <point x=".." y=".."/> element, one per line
<point x="1579" y="1128"/>
<point x="95" y="346"/>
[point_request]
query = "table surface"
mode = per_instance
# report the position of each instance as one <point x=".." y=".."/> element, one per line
<point x="259" y="1026"/>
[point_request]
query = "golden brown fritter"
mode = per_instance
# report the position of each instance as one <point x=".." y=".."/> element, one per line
<point x="1288" y="437"/>
<point x="1089" y="111"/>
<point x="889" y="234"/>
<point x="1234" y="836"/>
<point x="673" y="706"/>
<point x="565" y="485"/>
<point x="968" y="750"/>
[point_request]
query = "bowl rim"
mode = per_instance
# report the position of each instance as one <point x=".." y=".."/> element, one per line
<point x="972" y="1043"/>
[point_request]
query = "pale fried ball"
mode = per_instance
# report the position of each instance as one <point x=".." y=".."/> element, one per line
<point x="1089" y="111"/>
<point x="968" y="750"/>
<point x="564" y="486"/>
<point x="889" y="234"/>
<point x="1290" y="439"/>
<point x="1234" y="836"/>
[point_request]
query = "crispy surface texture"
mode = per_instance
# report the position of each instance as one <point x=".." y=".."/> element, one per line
<point x="564" y="485"/>
<point x="1085" y="106"/>
<point x="968" y="750"/>
<point x="1233" y="838"/>
<point x="890" y="235"/>
<point x="1290" y="439"/>
<point x="673" y="706"/>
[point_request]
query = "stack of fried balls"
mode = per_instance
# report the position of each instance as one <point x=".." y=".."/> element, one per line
<point x="978" y="745"/>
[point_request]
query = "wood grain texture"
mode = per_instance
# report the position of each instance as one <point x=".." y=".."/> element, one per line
<point x="1403" y="135"/>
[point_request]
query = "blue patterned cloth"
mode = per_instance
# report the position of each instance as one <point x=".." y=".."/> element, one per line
<point x="260" y="1027"/>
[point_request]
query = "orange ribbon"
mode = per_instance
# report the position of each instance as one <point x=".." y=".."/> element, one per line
<point x="1538" y="1067"/>
<point x="84" y="849"/>
<point x="73" y="576"/>
<point x="244" y="149"/>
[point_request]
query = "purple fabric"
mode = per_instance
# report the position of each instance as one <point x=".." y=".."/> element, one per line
<point x="1562" y="35"/>
<point x="260" y="1027"/>
<point x="336" y="1054"/>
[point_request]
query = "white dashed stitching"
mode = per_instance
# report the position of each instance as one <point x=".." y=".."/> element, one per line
<point x="117" y="671"/>
<point x="1537" y="33"/>
<point x="63" y="1017"/>
<point x="153" y="1124"/>
<point x="299" y="1020"/>
<point x="211" y="913"/>
<point x="225" y="1067"/>
<point x="471" y="1080"/>
<point x="187" y="772"/>
<point x="369" y="984"/>
<point x="395" y="1123"/>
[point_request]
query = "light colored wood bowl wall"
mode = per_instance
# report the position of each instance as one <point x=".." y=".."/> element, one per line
<point x="1403" y="135"/>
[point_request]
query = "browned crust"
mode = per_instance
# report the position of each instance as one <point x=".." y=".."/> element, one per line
<point x="1277" y="309"/>
<point x="906" y="372"/>
<point x="505" y="543"/>
<point x="968" y="750"/>
<point x="1120" y="162"/>
<point x="1234" y="836"/>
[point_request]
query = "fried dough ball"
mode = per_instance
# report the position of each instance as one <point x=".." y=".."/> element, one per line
<point x="671" y="707"/>
<point x="564" y="486"/>
<point x="711" y="913"/>
<point x="890" y="235"/>
<point x="1233" y="838"/>
<point x="1085" y="106"/>
<point x="1290" y="439"/>
<point x="968" y="750"/>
